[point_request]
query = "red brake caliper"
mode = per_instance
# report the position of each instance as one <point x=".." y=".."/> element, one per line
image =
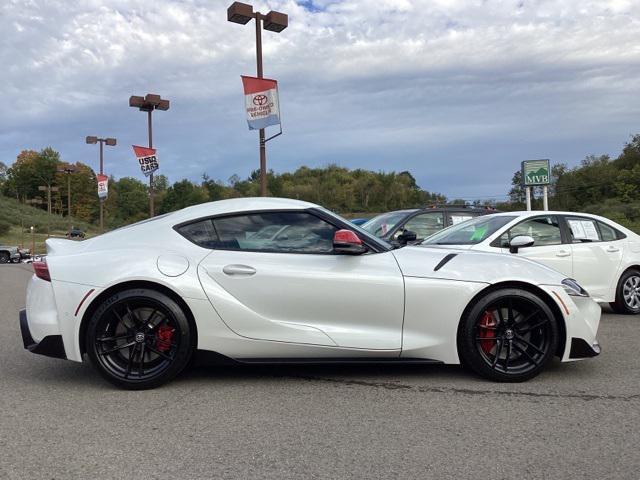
<point x="164" y="334"/>
<point x="487" y="320"/>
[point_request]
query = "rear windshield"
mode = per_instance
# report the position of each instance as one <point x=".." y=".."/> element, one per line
<point x="470" y="232"/>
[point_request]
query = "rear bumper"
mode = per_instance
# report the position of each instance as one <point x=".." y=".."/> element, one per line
<point x="51" y="345"/>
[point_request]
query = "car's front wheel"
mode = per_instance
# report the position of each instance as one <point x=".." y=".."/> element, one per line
<point x="139" y="339"/>
<point x="4" y="257"/>
<point x="508" y="335"/>
<point x="628" y="294"/>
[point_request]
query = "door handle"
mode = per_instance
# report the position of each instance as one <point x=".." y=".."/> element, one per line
<point x="239" y="270"/>
<point x="613" y="249"/>
<point x="563" y="253"/>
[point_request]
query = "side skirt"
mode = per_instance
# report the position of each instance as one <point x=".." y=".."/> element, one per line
<point x="204" y="357"/>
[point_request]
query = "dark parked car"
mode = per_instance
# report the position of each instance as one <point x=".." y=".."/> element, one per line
<point x="359" y="221"/>
<point x="411" y="226"/>
<point x="75" y="233"/>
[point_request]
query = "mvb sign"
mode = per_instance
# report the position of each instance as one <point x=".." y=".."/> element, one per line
<point x="536" y="172"/>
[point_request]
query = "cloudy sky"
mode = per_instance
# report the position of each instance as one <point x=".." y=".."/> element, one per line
<point x="456" y="91"/>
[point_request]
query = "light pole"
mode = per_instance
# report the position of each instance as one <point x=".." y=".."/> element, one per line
<point x="68" y="171"/>
<point x="112" y="143"/>
<point x="242" y="13"/>
<point x="149" y="103"/>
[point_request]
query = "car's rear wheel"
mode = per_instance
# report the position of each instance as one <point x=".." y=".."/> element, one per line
<point x="508" y="335"/>
<point x="139" y="339"/>
<point x="628" y="294"/>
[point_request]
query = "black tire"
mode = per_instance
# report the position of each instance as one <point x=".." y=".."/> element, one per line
<point x="4" y="257"/>
<point x="628" y="294"/>
<point x="139" y="339"/>
<point x="513" y="322"/>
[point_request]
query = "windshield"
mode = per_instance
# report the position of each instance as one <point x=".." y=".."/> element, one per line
<point x="382" y="224"/>
<point x="470" y="232"/>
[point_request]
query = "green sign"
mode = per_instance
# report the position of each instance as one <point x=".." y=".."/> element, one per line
<point x="536" y="172"/>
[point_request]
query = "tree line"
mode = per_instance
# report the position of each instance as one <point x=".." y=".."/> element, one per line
<point x="602" y="185"/>
<point x="337" y="188"/>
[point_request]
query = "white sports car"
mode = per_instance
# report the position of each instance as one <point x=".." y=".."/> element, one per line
<point x="601" y="255"/>
<point x="142" y="300"/>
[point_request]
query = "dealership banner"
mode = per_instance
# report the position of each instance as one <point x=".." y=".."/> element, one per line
<point x="103" y="186"/>
<point x="147" y="159"/>
<point x="261" y="102"/>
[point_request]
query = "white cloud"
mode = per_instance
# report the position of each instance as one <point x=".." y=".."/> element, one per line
<point x="428" y="86"/>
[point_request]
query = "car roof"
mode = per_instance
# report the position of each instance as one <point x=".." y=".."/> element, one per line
<point x="233" y="205"/>
<point x="536" y="213"/>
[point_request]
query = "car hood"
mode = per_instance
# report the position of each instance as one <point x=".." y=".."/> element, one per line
<point x="472" y="266"/>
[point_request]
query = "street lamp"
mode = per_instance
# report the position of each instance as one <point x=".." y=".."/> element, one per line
<point x="149" y="103"/>
<point x="112" y="143"/>
<point x="242" y="13"/>
<point x="68" y="171"/>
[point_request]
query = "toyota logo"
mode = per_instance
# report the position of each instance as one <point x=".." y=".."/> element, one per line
<point x="260" y="100"/>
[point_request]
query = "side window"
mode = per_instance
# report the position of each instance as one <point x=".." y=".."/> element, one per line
<point x="608" y="234"/>
<point x="294" y="232"/>
<point x="456" y="218"/>
<point x="424" y="225"/>
<point x="583" y="230"/>
<point x="544" y="230"/>
<point x="201" y="233"/>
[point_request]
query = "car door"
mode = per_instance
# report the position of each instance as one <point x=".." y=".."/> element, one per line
<point x="549" y="246"/>
<point x="597" y="254"/>
<point x="291" y="287"/>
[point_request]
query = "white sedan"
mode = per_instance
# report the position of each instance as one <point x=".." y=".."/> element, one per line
<point x="140" y="301"/>
<point x="600" y="254"/>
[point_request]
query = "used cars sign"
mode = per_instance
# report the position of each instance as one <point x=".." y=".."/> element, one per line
<point x="147" y="159"/>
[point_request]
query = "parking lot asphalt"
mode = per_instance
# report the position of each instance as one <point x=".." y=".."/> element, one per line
<point x="60" y="420"/>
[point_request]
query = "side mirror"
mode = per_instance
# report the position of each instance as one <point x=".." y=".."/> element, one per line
<point x="348" y="243"/>
<point x="521" y="241"/>
<point x="406" y="237"/>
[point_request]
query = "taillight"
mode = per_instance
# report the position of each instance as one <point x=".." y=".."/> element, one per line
<point x="42" y="270"/>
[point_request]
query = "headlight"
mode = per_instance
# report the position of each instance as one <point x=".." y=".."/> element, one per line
<point x="573" y="288"/>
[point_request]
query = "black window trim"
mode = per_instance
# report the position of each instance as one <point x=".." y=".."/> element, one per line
<point x="564" y="238"/>
<point x="373" y="245"/>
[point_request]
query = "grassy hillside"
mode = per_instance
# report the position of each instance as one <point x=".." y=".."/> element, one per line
<point x="21" y="217"/>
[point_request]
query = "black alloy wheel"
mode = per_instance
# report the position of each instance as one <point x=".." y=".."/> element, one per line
<point x="508" y="335"/>
<point x="139" y="339"/>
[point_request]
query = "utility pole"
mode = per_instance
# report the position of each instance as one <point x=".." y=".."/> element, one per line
<point x="68" y="171"/>
<point x="242" y="13"/>
<point x="149" y="103"/>
<point x="48" y="188"/>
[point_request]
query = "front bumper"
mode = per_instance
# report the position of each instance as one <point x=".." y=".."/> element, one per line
<point x="51" y="345"/>
<point x="581" y="349"/>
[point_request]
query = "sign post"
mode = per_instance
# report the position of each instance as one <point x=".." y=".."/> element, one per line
<point x="536" y="173"/>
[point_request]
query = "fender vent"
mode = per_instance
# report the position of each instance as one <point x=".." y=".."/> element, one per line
<point x="444" y="261"/>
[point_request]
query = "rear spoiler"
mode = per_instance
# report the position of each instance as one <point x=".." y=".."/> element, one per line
<point x="61" y="246"/>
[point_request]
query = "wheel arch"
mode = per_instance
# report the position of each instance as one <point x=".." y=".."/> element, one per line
<point x="555" y="308"/>
<point x="96" y="302"/>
